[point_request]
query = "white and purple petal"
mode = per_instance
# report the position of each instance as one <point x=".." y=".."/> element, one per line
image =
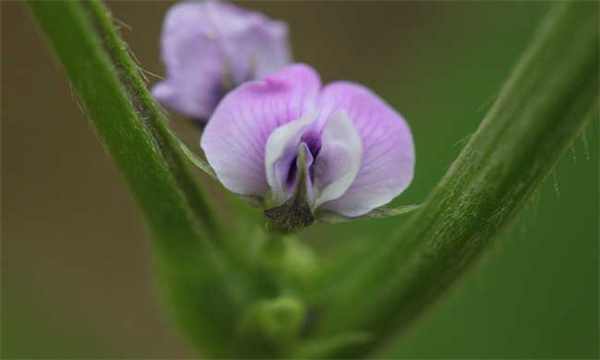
<point x="339" y="158"/>
<point x="281" y="153"/>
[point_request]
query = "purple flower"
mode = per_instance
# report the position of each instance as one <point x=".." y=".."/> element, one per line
<point x="209" y="48"/>
<point x="340" y="147"/>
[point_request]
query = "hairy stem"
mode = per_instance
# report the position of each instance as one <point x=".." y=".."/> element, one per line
<point x="542" y="108"/>
<point x="152" y="119"/>
<point x="207" y="291"/>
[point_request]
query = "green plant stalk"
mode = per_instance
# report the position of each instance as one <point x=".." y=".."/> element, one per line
<point x="541" y="109"/>
<point x="208" y="292"/>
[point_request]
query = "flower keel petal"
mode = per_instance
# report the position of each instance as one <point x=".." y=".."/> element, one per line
<point x="281" y="151"/>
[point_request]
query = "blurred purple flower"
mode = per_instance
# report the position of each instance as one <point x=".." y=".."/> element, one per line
<point x="209" y="48"/>
<point x="358" y="151"/>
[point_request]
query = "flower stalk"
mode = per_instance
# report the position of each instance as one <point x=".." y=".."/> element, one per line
<point x="542" y="108"/>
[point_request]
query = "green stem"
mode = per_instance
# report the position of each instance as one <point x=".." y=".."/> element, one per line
<point x="540" y="111"/>
<point x="208" y="292"/>
<point x="152" y="119"/>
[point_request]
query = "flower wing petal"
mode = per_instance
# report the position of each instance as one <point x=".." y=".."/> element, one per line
<point x="235" y="138"/>
<point x="388" y="155"/>
<point x="339" y="158"/>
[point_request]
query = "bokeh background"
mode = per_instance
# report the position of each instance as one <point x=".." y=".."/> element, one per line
<point x="77" y="273"/>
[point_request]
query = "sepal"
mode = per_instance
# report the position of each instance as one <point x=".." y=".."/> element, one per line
<point x="377" y="213"/>
<point x="197" y="161"/>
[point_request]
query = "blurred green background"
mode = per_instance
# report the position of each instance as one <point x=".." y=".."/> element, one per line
<point x="77" y="278"/>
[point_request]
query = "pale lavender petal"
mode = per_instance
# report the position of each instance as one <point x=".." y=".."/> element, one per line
<point x="281" y="150"/>
<point x="235" y="138"/>
<point x="388" y="150"/>
<point x="193" y="61"/>
<point x="208" y="46"/>
<point x="271" y="51"/>
<point x="255" y="46"/>
<point x="339" y="158"/>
